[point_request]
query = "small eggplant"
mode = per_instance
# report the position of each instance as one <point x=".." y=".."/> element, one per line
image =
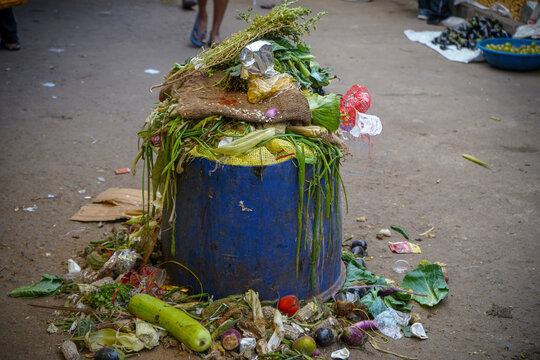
<point x="324" y="336"/>
<point x="358" y="251"/>
<point x="360" y="243"/>
<point x="106" y="354"/>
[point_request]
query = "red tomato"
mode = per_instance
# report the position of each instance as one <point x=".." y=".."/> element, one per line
<point x="289" y="305"/>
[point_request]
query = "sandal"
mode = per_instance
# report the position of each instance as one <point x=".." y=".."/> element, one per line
<point x="11" y="46"/>
<point x="195" y="31"/>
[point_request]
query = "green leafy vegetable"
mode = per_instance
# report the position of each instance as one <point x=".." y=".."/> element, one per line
<point x="324" y="110"/>
<point x="297" y="61"/>
<point x="49" y="285"/>
<point x="427" y="280"/>
<point x="374" y="303"/>
<point x="347" y="256"/>
<point x="104" y="296"/>
<point x="407" y="331"/>
<point x="355" y="272"/>
<point x="399" y="301"/>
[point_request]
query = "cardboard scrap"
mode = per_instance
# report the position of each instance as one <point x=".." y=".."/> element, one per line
<point x="112" y="204"/>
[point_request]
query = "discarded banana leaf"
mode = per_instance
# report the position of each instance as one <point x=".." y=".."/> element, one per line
<point x="475" y="160"/>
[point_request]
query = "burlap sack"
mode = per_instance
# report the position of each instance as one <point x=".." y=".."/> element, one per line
<point x="198" y="97"/>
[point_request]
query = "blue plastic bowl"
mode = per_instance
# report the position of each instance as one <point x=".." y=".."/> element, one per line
<point x="510" y="61"/>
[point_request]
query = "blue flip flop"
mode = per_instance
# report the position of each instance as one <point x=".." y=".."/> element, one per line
<point x="195" y="31"/>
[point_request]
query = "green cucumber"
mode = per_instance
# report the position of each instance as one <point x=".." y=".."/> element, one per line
<point x="185" y="329"/>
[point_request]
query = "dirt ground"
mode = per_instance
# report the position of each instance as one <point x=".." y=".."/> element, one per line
<point x="61" y="140"/>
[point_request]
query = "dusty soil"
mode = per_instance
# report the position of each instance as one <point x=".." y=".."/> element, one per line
<point x="59" y="140"/>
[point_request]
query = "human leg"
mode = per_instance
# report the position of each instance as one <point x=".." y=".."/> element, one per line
<point x="199" y="29"/>
<point x="423" y="9"/>
<point x="220" y="6"/>
<point x="8" y="29"/>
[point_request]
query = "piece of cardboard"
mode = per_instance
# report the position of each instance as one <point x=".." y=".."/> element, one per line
<point x="112" y="204"/>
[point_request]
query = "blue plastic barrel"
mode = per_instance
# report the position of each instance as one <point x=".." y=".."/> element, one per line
<point x="236" y="229"/>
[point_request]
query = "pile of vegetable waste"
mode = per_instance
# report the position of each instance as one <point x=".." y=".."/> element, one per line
<point x="127" y="308"/>
<point x="118" y="302"/>
<point x="256" y="99"/>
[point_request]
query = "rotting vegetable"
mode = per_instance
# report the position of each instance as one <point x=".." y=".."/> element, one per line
<point x="305" y="345"/>
<point x="353" y="336"/>
<point x="184" y="328"/>
<point x="324" y="336"/>
<point x="367" y="325"/>
<point x="230" y="339"/>
<point x="107" y="354"/>
<point x="289" y="304"/>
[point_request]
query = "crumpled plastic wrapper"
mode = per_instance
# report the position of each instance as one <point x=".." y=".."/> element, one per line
<point x="260" y="88"/>
<point x="247" y="343"/>
<point x="121" y="262"/>
<point x="257" y="59"/>
<point x="390" y="322"/>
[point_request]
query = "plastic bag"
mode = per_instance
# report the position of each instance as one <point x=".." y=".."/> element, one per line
<point x="390" y="321"/>
<point x="260" y="88"/>
<point x="357" y="98"/>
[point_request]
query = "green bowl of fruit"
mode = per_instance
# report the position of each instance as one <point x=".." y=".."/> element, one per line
<point x="511" y="54"/>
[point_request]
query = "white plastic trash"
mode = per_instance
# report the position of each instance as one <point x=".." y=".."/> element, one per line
<point x="342" y="353"/>
<point x="418" y="330"/>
